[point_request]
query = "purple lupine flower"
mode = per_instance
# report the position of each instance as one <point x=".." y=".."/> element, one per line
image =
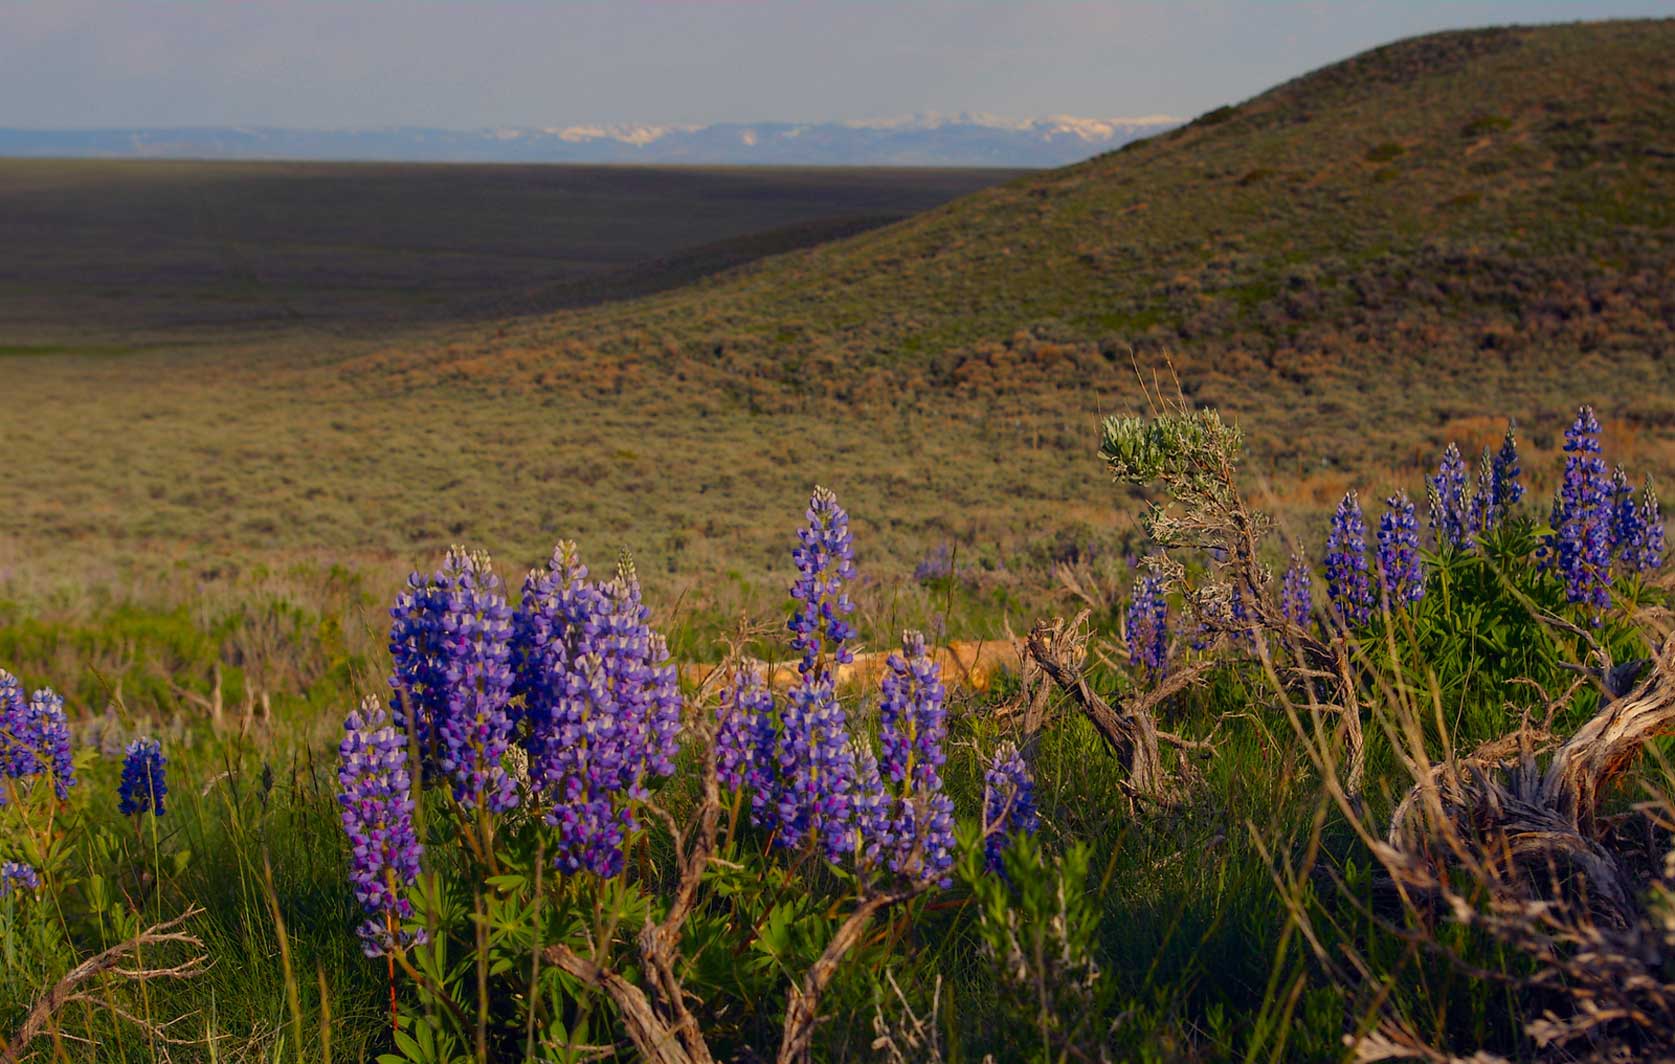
<point x="144" y="784"/>
<point x="1147" y="625"/>
<point x="744" y="703"/>
<point x="476" y="724"/>
<point x="1626" y="532"/>
<point x="825" y="561"/>
<point x="16" y="874"/>
<point x="602" y="702"/>
<point x="761" y="777"/>
<point x="1008" y="803"/>
<point x="450" y="645"/>
<point x="1507" y="488"/>
<point x="1481" y="515"/>
<point x="419" y="659"/>
<point x="1297" y="593"/>
<point x="1579" y="546"/>
<point x="1651" y="528"/>
<point x="913" y="727"/>
<point x="816" y="768"/>
<point x="1400" y="573"/>
<point x="377" y="815"/>
<point x="1347" y="582"/>
<point x="1450" y="522"/>
<point x="937" y="564"/>
<point x="15" y="753"/>
<point x="34" y="738"/>
<point x="870" y="809"/>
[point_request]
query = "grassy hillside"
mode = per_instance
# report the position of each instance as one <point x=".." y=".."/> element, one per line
<point x="1359" y="265"/>
<point x="1483" y="218"/>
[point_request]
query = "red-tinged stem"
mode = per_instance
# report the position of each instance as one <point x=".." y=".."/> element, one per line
<point x="389" y="958"/>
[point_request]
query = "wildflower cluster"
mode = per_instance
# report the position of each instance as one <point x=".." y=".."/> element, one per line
<point x="377" y="814"/>
<point x="1147" y="626"/>
<point x="1297" y="593"/>
<point x="1399" y="570"/>
<point x="919" y="831"/>
<point x="451" y="644"/>
<point x="143" y="786"/>
<point x="1579" y="546"/>
<point x="811" y="781"/>
<point x="1347" y="583"/>
<point x="602" y="703"/>
<point x="1450" y="520"/>
<point x="1008" y="803"/>
<point x="1599" y="529"/>
<point x="34" y="739"/>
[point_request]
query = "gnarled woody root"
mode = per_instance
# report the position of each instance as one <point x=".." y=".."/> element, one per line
<point x="1542" y="877"/>
<point x="69" y="990"/>
<point x="1130" y="729"/>
<point x="1498" y="806"/>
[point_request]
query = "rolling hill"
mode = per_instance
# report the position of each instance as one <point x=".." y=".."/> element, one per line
<point x="1360" y="265"/>
<point x="1450" y="225"/>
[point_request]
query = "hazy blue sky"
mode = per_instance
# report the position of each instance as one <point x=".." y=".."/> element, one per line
<point x="472" y="63"/>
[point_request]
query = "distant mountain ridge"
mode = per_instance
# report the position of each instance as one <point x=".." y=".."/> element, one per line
<point x="919" y="140"/>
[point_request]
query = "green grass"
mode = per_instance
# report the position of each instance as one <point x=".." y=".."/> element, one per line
<point x="1194" y="943"/>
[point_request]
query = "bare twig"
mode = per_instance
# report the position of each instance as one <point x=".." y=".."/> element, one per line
<point x="110" y="962"/>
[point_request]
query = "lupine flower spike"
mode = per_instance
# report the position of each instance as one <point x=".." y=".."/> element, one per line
<point x="919" y="836"/>
<point x="1580" y="545"/>
<point x="603" y="706"/>
<point x="376" y="798"/>
<point x="1447" y="493"/>
<point x="143" y="785"/>
<point x="1651" y="528"/>
<point x="1008" y="804"/>
<point x="870" y="806"/>
<point x="1297" y="593"/>
<point x="1347" y="582"/>
<point x="34" y="739"/>
<point x="1507" y="488"/>
<point x="739" y="717"/>
<point x="1148" y="626"/>
<point x="451" y="644"/>
<point x="1400" y="573"/>
<point x="825" y="559"/>
<point x="1626" y="533"/>
<point x="1482" y="517"/>
<point x="815" y="755"/>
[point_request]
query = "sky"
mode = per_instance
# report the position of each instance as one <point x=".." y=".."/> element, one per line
<point x="469" y="64"/>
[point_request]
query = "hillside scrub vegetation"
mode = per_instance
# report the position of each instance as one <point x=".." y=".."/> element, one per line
<point x="1354" y="306"/>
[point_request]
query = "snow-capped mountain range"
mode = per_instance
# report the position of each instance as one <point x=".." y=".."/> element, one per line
<point x="919" y="140"/>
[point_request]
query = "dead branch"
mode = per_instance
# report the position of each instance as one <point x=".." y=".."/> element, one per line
<point x="655" y="1041"/>
<point x="1131" y="732"/>
<point x="803" y="1008"/>
<point x="68" y="989"/>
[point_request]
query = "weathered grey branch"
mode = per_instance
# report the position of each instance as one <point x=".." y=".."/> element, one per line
<point x="110" y="962"/>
